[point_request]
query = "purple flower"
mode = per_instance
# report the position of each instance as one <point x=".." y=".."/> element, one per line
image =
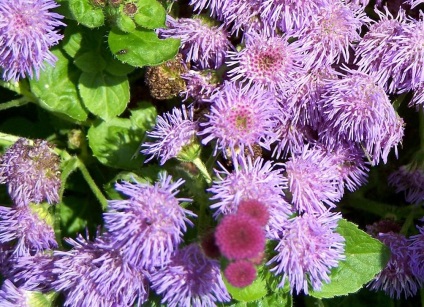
<point x="31" y="226"/>
<point x="173" y="131"/>
<point x="199" y="85"/>
<point x="266" y="61"/>
<point x="240" y="118"/>
<point x="31" y="171"/>
<point x="417" y="257"/>
<point x="148" y="226"/>
<point x="254" y="209"/>
<point x="413" y="3"/>
<point x="308" y="248"/>
<point x="327" y="37"/>
<point x="377" y="51"/>
<point x="239" y="236"/>
<point x="12" y="296"/>
<point x="256" y="180"/>
<point x="397" y="277"/>
<point x="240" y="273"/>
<point x="202" y="44"/>
<point x="92" y="275"/>
<point x="27" y="31"/>
<point x="410" y="180"/>
<point x="356" y="109"/>
<point x="190" y="279"/>
<point x="314" y="180"/>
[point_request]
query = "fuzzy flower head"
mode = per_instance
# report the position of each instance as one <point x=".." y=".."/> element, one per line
<point x="240" y="119"/>
<point x="190" y="279"/>
<point x="199" y="85"/>
<point x="31" y="172"/>
<point x="148" y="226"/>
<point x="417" y="247"/>
<point x="254" y="209"/>
<point x="172" y="133"/>
<point x="397" y="277"/>
<point x="239" y="236"/>
<point x="31" y="226"/>
<point x="314" y="180"/>
<point x="240" y="273"/>
<point x="12" y="296"/>
<point x="326" y="39"/>
<point x="90" y="274"/>
<point x="356" y="109"/>
<point x="308" y="248"/>
<point x="202" y="44"/>
<point x="250" y="180"/>
<point x="270" y="62"/>
<point x="27" y="30"/>
<point x="414" y="3"/>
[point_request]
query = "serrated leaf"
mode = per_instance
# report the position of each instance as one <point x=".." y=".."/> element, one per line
<point x="104" y="95"/>
<point x="142" y="47"/>
<point x="56" y="90"/>
<point x="116" y="143"/>
<point x="87" y="14"/>
<point x="365" y="257"/>
<point x="150" y="14"/>
<point x="254" y="292"/>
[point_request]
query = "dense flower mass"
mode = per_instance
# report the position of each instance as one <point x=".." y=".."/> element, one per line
<point x="173" y="131"/>
<point x="190" y="279"/>
<point x="31" y="171"/>
<point x="28" y="29"/>
<point x="308" y="247"/>
<point x="409" y="179"/>
<point x="148" y="226"/>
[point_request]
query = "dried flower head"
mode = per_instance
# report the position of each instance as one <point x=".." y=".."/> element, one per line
<point x="28" y="29"/>
<point x="31" y="171"/>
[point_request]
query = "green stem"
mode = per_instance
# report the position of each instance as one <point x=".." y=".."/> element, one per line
<point x="203" y="170"/>
<point x="14" y="103"/>
<point x="8" y="139"/>
<point x="96" y="191"/>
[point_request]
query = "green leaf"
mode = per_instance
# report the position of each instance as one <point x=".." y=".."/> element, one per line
<point x="87" y="14"/>
<point x="365" y="257"/>
<point x="276" y="299"/>
<point x="90" y="62"/>
<point x="104" y="95"/>
<point x="56" y="90"/>
<point x="116" y="67"/>
<point x="144" y="117"/>
<point x="255" y="291"/>
<point x="116" y="143"/>
<point x="150" y="14"/>
<point x="142" y="47"/>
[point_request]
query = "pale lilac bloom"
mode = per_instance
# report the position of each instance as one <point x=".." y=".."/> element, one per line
<point x="327" y="37"/>
<point x="173" y="131"/>
<point x="409" y="179"/>
<point x="203" y="45"/>
<point x="91" y="274"/>
<point x="147" y="226"/>
<point x="251" y="180"/>
<point x="31" y="171"/>
<point x="376" y="51"/>
<point x="417" y="247"/>
<point x="200" y="85"/>
<point x="356" y="109"/>
<point x="308" y="248"/>
<point x="413" y="3"/>
<point x="397" y="277"/>
<point x="314" y="180"/>
<point x="240" y="118"/>
<point x="270" y="62"/>
<point x="190" y="279"/>
<point x="28" y="29"/>
<point x="31" y="232"/>
<point x="12" y="296"/>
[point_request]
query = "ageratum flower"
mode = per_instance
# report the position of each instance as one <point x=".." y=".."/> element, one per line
<point x="31" y="171"/>
<point x="240" y="273"/>
<point x="199" y="85"/>
<point x="240" y="118"/>
<point x="270" y="62"/>
<point x="409" y="179"/>
<point x="148" y="226"/>
<point x="397" y="277"/>
<point x="308" y="248"/>
<point x="28" y="29"/>
<point x="190" y="279"/>
<point x="172" y="132"/>
<point x="12" y="296"/>
<point x="256" y="180"/>
<point x="30" y="226"/>
<point x="254" y="209"/>
<point x="90" y="274"/>
<point x="417" y="248"/>
<point x="202" y="44"/>
<point x="327" y="37"/>
<point x="414" y="3"/>
<point x="356" y="109"/>
<point x="314" y="180"/>
<point x="239" y="236"/>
